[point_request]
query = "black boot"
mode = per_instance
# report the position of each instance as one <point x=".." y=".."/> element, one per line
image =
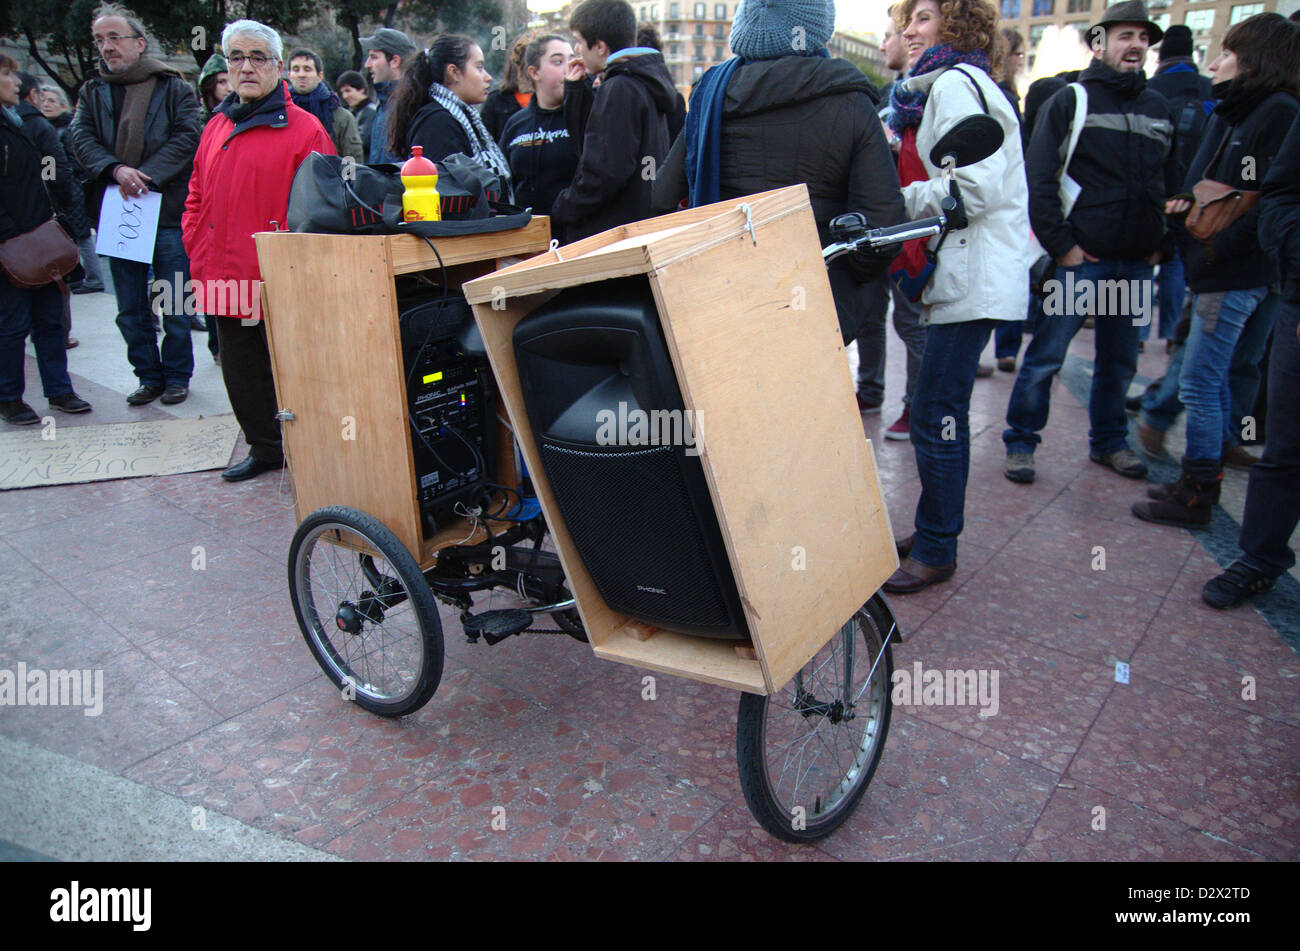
<point x="1189" y="501"/>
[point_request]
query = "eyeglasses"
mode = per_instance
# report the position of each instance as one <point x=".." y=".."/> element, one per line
<point x="258" y="60"/>
<point x="112" y="39"/>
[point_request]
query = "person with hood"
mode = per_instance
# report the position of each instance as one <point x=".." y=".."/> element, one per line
<point x="513" y="93"/>
<point x="243" y="170"/>
<point x="310" y="92"/>
<point x="648" y="36"/>
<point x="1124" y="165"/>
<point x="38" y="311"/>
<point x="535" y="139"/>
<point x="352" y="90"/>
<point x="136" y="129"/>
<point x="214" y="85"/>
<point x="980" y="276"/>
<point x="433" y="107"/>
<point x="1230" y="275"/>
<point x="627" y="127"/>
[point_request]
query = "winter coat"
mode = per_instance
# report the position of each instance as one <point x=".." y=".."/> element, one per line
<point x="365" y="116"/>
<point x="1124" y="163"/>
<point x="437" y="131"/>
<point x="171" y="135"/>
<point x="242" y="175"/>
<point x="379" y="153"/>
<point x="345" y="135"/>
<point x="65" y="192"/>
<point x="626" y="129"/>
<point x="497" y="110"/>
<point x="1279" y="213"/>
<point x="23" y="202"/>
<point x="981" y="270"/>
<point x="1233" y="260"/>
<point x="541" y="153"/>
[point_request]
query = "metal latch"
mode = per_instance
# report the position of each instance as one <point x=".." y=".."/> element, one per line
<point x="285" y="415"/>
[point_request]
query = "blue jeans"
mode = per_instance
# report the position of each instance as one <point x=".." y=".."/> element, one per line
<point x="1171" y="289"/>
<point x="1116" y="362"/>
<point x="1203" y="385"/>
<point x="38" y="311"/>
<point x="174" y="364"/>
<point x="941" y="435"/>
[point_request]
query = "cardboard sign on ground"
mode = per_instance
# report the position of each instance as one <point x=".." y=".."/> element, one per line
<point x="51" y="454"/>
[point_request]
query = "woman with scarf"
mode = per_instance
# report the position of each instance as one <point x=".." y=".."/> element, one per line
<point x="1230" y="276"/>
<point x="979" y="275"/>
<point x="783" y="113"/>
<point x="433" y="104"/>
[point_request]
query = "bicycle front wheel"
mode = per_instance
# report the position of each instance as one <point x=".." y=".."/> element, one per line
<point x="807" y="754"/>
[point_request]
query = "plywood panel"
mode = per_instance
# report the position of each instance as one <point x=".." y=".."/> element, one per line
<point x="409" y="253"/>
<point x="336" y="353"/>
<point x="756" y="344"/>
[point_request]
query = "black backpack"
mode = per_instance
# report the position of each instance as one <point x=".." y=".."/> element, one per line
<point x="1190" y="117"/>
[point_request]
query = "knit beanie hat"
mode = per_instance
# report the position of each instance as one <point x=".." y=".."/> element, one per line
<point x="1177" y="42"/>
<point x="766" y="29"/>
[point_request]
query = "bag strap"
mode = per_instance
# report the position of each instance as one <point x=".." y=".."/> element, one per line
<point x="1218" y="153"/>
<point x="1076" y="126"/>
<point x="984" y="103"/>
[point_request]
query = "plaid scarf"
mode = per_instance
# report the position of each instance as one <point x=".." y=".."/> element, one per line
<point x="909" y="106"/>
<point x="484" y="150"/>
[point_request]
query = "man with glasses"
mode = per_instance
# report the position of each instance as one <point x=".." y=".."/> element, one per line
<point x="247" y="157"/>
<point x="136" y="129"/>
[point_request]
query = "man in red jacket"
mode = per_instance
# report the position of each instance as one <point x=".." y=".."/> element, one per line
<point x="245" y="164"/>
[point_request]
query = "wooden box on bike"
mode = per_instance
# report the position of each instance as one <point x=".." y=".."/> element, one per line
<point x="336" y="355"/>
<point x="746" y="309"/>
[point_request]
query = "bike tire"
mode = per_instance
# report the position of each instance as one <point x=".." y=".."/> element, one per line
<point x="764" y="725"/>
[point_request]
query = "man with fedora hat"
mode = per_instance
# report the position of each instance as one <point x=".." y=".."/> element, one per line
<point x="388" y="53"/>
<point x="1124" y="165"/>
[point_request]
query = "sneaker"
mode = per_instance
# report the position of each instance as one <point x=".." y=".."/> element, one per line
<point x="1019" y="467"/>
<point x="1238" y="584"/>
<point x="144" y="394"/>
<point x="902" y="428"/>
<point x="70" y="403"/>
<point x="1150" y="440"/>
<point x="1238" y="457"/>
<point x="1124" y="461"/>
<point x="1007" y="364"/>
<point x="174" y="393"/>
<point x="866" y="407"/>
<point x="983" y="371"/>
<point x="18" y="413"/>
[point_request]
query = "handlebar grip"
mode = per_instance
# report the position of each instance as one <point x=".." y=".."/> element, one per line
<point x="884" y="234"/>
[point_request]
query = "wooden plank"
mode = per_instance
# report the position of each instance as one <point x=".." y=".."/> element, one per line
<point x="695" y="658"/>
<point x="332" y="322"/>
<point x="792" y="477"/>
<point x="409" y="253"/>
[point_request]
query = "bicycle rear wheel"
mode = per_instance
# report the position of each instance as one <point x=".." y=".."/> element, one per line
<point x="807" y="754"/>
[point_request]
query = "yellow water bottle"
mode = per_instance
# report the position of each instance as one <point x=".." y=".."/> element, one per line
<point x="420" y="201"/>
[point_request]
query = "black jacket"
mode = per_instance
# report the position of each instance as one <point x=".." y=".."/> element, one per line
<point x="437" y="131"/>
<point x="365" y="113"/>
<point x="23" y="203"/>
<point x="497" y="110"/>
<point x="1233" y="261"/>
<point x="542" y="155"/>
<point x="63" y="187"/>
<point x="626" y="130"/>
<point x="1124" y="163"/>
<point x="804" y="119"/>
<point x="171" y="136"/>
<point x="1279" y="213"/>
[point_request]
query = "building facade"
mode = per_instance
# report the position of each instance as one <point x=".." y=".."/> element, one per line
<point x="1207" y="19"/>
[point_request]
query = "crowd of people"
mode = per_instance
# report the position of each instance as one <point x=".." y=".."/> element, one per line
<point x="1103" y="177"/>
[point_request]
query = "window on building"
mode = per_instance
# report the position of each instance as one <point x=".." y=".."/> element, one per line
<point x="699" y="52"/>
<point x="1036" y="33"/>
<point x="1243" y="10"/>
<point x="1161" y="20"/>
<point x="674" y="49"/>
<point x="720" y="32"/>
<point x="719" y="54"/>
<point x="1199" y="20"/>
<point x="641" y="13"/>
<point x="1010" y="9"/>
<point x="1078" y="6"/>
<point x="674" y="9"/>
<point x="719" y="11"/>
<point x="674" y="29"/>
<point x="1044" y="8"/>
<point x="699" y="29"/>
<point x="701" y="11"/>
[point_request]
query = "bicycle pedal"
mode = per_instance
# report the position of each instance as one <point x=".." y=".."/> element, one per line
<point x="496" y="626"/>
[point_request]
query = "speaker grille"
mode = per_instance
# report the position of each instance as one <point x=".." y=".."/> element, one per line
<point x="627" y="511"/>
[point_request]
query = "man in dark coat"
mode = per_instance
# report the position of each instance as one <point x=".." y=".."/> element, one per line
<point x="136" y="129"/>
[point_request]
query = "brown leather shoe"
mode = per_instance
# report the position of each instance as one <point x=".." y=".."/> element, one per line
<point x="904" y="546"/>
<point x="912" y="576"/>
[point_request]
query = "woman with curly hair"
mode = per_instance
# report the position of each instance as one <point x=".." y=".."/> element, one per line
<point x="978" y="280"/>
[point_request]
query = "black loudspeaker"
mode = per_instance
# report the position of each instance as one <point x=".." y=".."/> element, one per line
<point x="619" y="451"/>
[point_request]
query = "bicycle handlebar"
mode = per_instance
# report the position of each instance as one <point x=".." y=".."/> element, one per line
<point x="883" y="237"/>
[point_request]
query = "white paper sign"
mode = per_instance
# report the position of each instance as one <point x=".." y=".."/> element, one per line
<point x="128" y="227"/>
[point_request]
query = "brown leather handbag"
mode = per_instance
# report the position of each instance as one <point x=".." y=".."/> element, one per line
<point x="40" y="256"/>
<point x="1216" y="207"/>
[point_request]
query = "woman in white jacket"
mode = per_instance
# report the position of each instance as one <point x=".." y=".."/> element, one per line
<point x="980" y="273"/>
